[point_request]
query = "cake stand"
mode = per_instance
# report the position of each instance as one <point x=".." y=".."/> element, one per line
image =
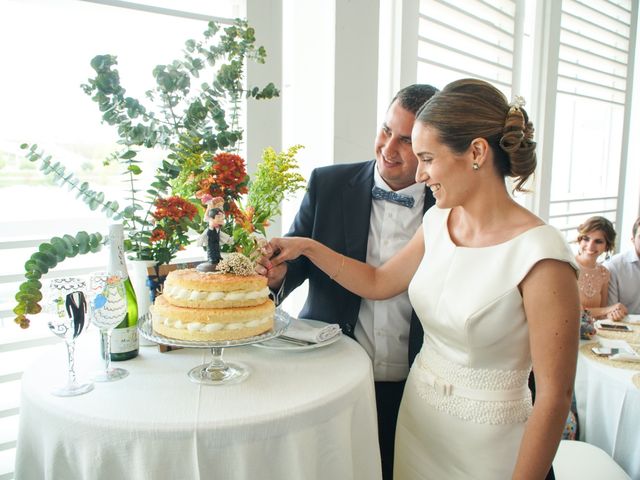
<point x="217" y="371"/>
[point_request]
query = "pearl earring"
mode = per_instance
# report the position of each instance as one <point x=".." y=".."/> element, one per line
<point x="476" y="167"/>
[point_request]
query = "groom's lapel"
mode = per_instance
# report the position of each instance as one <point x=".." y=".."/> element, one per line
<point x="356" y="211"/>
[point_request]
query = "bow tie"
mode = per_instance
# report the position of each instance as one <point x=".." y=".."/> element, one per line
<point x="380" y="194"/>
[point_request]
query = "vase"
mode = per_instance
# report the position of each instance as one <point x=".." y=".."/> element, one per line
<point x="148" y="279"/>
<point x="138" y="273"/>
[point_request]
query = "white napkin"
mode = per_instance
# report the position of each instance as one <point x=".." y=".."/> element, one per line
<point x="626" y="353"/>
<point x="631" y="318"/>
<point x="626" y="357"/>
<point x="302" y="330"/>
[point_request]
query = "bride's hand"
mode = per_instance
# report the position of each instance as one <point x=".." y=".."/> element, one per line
<point x="287" y="248"/>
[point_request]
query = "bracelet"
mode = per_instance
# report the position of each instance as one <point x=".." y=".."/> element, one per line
<point x="333" y="277"/>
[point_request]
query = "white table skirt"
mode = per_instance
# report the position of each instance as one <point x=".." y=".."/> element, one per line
<point x="300" y="415"/>
<point x="609" y="411"/>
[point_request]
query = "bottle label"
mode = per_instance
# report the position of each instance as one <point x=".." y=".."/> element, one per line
<point x="124" y="340"/>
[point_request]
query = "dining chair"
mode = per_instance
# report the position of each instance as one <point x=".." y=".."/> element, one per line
<point x="580" y="460"/>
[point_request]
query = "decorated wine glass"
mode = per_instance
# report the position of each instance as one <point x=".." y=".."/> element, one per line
<point x="108" y="299"/>
<point x="68" y="308"/>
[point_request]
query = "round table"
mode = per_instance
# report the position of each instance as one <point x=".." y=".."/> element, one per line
<point x="609" y="411"/>
<point x="299" y="415"/>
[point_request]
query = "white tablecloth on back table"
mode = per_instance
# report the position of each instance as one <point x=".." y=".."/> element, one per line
<point x="300" y="415"/>
<point x="609" y="411"/>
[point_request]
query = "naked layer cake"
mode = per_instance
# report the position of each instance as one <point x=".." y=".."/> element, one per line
<point x="213" y="306"/>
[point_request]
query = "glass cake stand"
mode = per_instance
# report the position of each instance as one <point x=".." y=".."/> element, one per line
<point x="217" y="371"/>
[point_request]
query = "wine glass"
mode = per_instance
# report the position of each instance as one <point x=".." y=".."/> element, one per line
<point x="68" y="308"/>
<point x="108" y="307"/>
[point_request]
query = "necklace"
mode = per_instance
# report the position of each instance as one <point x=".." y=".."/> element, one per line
<point x="590" y="281"/>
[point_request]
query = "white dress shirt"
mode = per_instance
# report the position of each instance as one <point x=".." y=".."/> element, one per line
<point x="383" y="325"/>
<point x="624" y="283"/>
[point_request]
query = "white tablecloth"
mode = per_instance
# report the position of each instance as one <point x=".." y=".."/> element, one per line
<point x="299" y="416"/>
<point x="609" y="411"/>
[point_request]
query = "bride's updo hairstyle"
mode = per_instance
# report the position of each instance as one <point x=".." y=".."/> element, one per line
<point x="467" y="109"/>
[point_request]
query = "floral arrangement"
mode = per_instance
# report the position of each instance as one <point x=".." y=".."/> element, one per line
<point x="248" y="204"/>
<point x="173" y="216"/>
<point x="276" y="177"/>
<point x="186" y="118"/>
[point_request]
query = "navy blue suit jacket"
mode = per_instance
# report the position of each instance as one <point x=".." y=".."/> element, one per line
<point x="335" y="211"/>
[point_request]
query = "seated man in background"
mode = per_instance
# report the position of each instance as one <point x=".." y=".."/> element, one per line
<point x="624" y="283"/>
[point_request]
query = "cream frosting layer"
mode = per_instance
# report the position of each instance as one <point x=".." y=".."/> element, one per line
<point x="214" y="327"/>
<point x="182" y="293"/>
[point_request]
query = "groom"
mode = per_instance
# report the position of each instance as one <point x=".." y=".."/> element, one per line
<point x="367" y="211"/>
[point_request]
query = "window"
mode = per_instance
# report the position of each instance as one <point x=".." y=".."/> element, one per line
<point x="47" y="50"/>
<point x="590" y="111"/>
<point x="590" y="96"/>
<point x="458" y="39"/>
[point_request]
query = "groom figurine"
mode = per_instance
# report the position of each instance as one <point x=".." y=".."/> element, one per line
<point x="212" y="237"/>
<point x="367" y="211"/>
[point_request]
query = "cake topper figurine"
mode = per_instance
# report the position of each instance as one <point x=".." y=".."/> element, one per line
<point x="211" y="238"/>
<point x="212" y="202"/>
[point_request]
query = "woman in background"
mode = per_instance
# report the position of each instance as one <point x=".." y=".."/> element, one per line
<point x="495" y="290"/>
<point x="595" y="237"/>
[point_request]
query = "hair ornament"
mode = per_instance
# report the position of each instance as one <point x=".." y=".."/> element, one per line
<point x="517" y="103"/>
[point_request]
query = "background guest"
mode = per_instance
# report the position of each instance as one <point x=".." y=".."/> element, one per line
<point x="624" y="283"/>
<point x="595" y="237"/>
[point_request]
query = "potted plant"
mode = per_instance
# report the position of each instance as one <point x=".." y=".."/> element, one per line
<point x="185" y="116"/>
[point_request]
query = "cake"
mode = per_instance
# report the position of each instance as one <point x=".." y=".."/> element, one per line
<point x="193" y="289"/>
<point x="212" y="306"/>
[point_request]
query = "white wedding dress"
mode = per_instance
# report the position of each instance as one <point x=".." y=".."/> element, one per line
<point x="466" y="400"/>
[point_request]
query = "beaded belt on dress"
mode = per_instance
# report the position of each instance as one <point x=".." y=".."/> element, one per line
<point x="480" y="395"/>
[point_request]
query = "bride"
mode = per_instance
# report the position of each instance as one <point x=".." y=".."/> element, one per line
<point x="495" y="289"/>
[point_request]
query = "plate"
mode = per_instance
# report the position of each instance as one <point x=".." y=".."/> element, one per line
<point x="279" y="344"/>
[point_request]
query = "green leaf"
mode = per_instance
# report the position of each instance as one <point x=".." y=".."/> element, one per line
<point x="33" y="274"/>
<point x="47" y="259"/>
<point x="26" y="297"/>
<point x="72" y="247"/>
<point x="95" y="242"/>
<point x="30" y="286"/>
<point x="82" y="239"/>
<point x="136" y="170"/>
<point x="20" y="309"/>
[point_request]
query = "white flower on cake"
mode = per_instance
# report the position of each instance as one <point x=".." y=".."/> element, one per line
<point x="237" y="264"/>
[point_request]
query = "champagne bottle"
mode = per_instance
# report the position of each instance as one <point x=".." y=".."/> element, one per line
<point x="124" y="339"/>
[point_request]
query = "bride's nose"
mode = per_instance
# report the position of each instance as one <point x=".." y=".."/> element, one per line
<point x="421" y="173"/>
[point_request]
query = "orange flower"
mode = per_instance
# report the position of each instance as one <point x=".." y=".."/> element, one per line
<point x="157" y="235"/>
<point x="174" y="208"/>
<point x="245" y="219"/>
<point x="227" y="177"/>
<point x="229" y="170"/>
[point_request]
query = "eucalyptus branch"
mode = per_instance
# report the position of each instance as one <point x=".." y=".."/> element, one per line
<point x="183" y="116"/>
<point x="92" y="198"/>
<point x="47" y="257"/>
